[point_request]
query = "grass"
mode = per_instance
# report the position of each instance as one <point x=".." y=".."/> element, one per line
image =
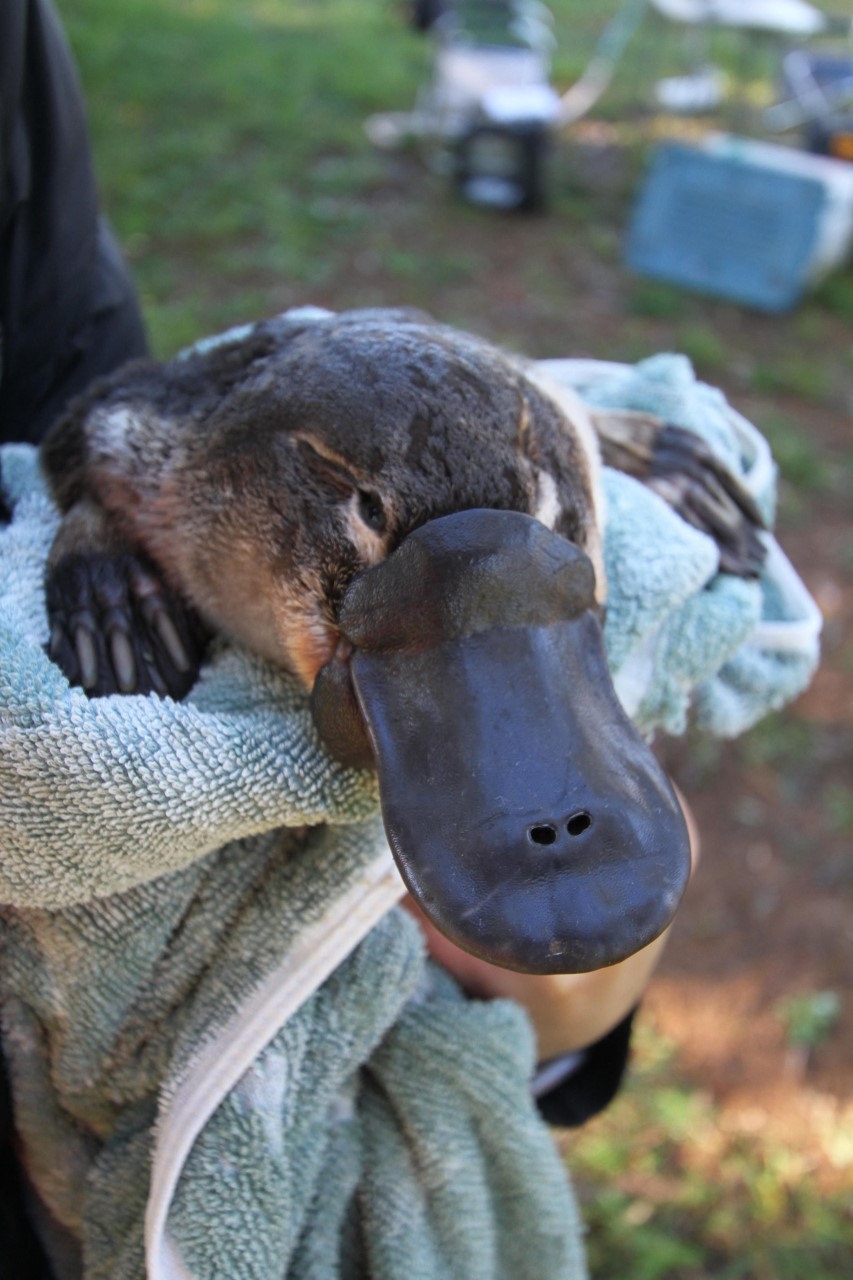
<point x="804" y="765"/>
<point x="809" y="1019"/>
<point x="800" y="461"/>
<point x="670" y="1194"/>
<point x="233" y="163"/>
<point x="798" y="376"/>
<point x="230" y="146"/>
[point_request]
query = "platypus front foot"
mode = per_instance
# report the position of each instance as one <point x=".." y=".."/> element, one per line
<point x="115" y="627"/>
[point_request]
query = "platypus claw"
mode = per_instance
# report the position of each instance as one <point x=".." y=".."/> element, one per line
<point x="116" y="628"/>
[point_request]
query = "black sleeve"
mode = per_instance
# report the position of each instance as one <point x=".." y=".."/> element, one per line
<point x="21" y="1254"/>
<point x="68" y="312"/>
<point x="68" y="309"/>
<point x="594" y="1083"/>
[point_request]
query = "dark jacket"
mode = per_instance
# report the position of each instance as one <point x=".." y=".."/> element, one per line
<point x="68" y="310"/>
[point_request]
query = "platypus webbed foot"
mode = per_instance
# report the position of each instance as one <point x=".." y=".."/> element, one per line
<point x="115" y="627"/>
<point x="680" y="467"/>
<point x="529" y="819"/>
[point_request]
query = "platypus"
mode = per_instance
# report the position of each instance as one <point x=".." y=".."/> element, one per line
<point x="409" y="520"/>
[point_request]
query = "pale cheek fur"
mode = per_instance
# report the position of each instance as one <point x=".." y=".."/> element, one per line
<point x="579" y="422"/>
<point x="110" y="432"/>
<point x="547" y="500"/>
<point x="370" y="545"/>
<point x="311" y="645"/>
<point x="311" y="640"/>
<point x="292" y="629"/>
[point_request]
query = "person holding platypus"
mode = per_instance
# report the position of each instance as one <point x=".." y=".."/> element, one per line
<point x="407" y="520"/>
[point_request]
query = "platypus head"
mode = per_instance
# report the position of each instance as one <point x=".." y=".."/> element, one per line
<point x="406" y="518"/>
<point x="340" y="438"/>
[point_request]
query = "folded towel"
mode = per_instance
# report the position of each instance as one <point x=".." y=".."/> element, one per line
<point x="229" y="1056"/>
<point x="683" y="639"/>
<point x="182" y="878"/>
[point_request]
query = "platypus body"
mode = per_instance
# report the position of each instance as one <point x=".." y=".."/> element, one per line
<point x="409" y="520"/>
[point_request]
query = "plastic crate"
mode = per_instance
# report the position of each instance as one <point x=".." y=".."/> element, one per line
<point x="727" y="226"/>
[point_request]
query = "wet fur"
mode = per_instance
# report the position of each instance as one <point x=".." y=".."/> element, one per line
<point x="262" y="475"/>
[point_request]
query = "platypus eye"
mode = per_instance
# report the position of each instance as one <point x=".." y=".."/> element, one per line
<point x="371" y="511"/>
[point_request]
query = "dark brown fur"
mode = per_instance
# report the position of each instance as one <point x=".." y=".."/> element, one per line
<point x="262" y="475"/>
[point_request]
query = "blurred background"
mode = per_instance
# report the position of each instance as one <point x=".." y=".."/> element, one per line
<point x="234" y="163"/>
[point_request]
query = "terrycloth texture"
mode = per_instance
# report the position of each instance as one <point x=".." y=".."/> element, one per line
<point x="435" y="1132"/>
<point x="159" y="873"/>
<point x="681" y="637"/>
<point x="161" y="783"/>
<point x="164" y="891"/>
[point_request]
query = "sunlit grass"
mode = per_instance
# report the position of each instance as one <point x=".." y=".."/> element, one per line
<point x="673" y="1191"/>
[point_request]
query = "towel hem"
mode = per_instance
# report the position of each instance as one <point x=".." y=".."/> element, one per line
<point x="223" y="1060"/>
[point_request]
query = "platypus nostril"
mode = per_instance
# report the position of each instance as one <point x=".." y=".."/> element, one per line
<point x="542" y="833"/>
<point x="578" y="823"/>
